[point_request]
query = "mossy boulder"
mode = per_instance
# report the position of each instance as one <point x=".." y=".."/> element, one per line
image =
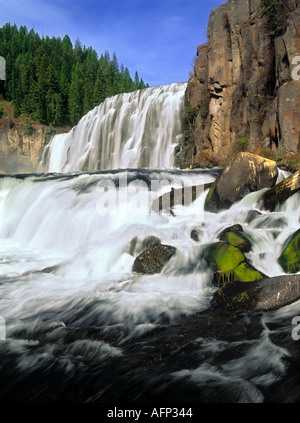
<point x="153" y="259"/>
<point x="260" y="296"/>
<point x="234" y="236"/>
<point x="289" y="259"/>
<point x="229" y="264"/>
<point x="245" y="272"/>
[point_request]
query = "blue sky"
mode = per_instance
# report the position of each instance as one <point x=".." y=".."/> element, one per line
<point x="158" y="38"/>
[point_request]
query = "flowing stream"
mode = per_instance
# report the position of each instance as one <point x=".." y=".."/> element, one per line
<point x="78" y="325"/>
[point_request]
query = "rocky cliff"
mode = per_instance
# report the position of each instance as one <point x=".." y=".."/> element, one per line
<point x="243" y="91"/>
<point x="20" y="152"/>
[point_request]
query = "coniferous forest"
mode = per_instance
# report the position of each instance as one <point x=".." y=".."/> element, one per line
<point x="54" y="82"/>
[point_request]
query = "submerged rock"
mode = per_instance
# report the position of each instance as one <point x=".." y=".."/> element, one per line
<point x="260" y="296"/>
<point x="153" y="259"/>
<point x="196" y="235"/>
<point x="244" y="173"/>
<point x="251" y="215"/>
<point x="138" y="245"/>
<point x="289" y="259"/>
<point x="229" y="264"/>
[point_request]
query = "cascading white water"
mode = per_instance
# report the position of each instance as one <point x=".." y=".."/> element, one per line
<point x="139" y="129"/>
<point x="75" y="312"/>
<point x="66" y="262"/>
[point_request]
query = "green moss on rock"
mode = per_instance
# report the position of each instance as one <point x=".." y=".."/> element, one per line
<point x="289" y="259"/>
<point x="245" y="272"/>
<point x="229" y="264"/>
<point x="236" y="239"/>
<point x="224" y="257"/>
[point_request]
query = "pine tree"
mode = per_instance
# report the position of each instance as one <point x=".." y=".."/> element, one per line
<point x="55" y="83"/>
<point x="76" y="94"/>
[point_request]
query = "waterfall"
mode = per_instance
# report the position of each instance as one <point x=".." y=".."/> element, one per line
<point x="78" y="324"/>
<point x="80" y="318"/>
<point x="131" y="130"/>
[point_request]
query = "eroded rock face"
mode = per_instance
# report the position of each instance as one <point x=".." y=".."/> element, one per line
<point x="20" y="152"/>
<point x="247" y="74"/>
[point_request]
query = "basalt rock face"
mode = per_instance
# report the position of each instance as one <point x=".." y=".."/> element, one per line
<point x="20" y="152"/>
<point x="244" y="84"/>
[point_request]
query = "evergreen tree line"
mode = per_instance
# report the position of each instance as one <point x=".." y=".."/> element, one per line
<point x="55" y="82"/>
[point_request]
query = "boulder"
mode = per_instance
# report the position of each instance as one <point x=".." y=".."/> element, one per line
<point x="244" y="173"/>
<point x="260" y="296"/>
<point x="289" y="259"/>
<point x="153" y="259"/>
<point x="229" y="264"/>
<point x="234" y="236"/>
<point x="196" y="235"/>
<point x="281" y="192"/>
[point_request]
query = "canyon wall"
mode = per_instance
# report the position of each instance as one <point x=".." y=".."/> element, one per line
<point x="243" y="89"/>
<point x="20" y="152"/>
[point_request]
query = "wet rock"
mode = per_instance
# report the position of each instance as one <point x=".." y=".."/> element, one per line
<point x="289" y="259"/>
<point x="271" y="222"/>
<point x="260" y="296"/>
<point x="244" y="173"/>
<point x="281" y="192"/>
<point x="234" y="236"/>
<point x="229" y="264"/>
<point x="153" y="259"/>
<point x="196" y="235"/>
<point x="137" y="245"/>
<point x="252" y="214"/>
